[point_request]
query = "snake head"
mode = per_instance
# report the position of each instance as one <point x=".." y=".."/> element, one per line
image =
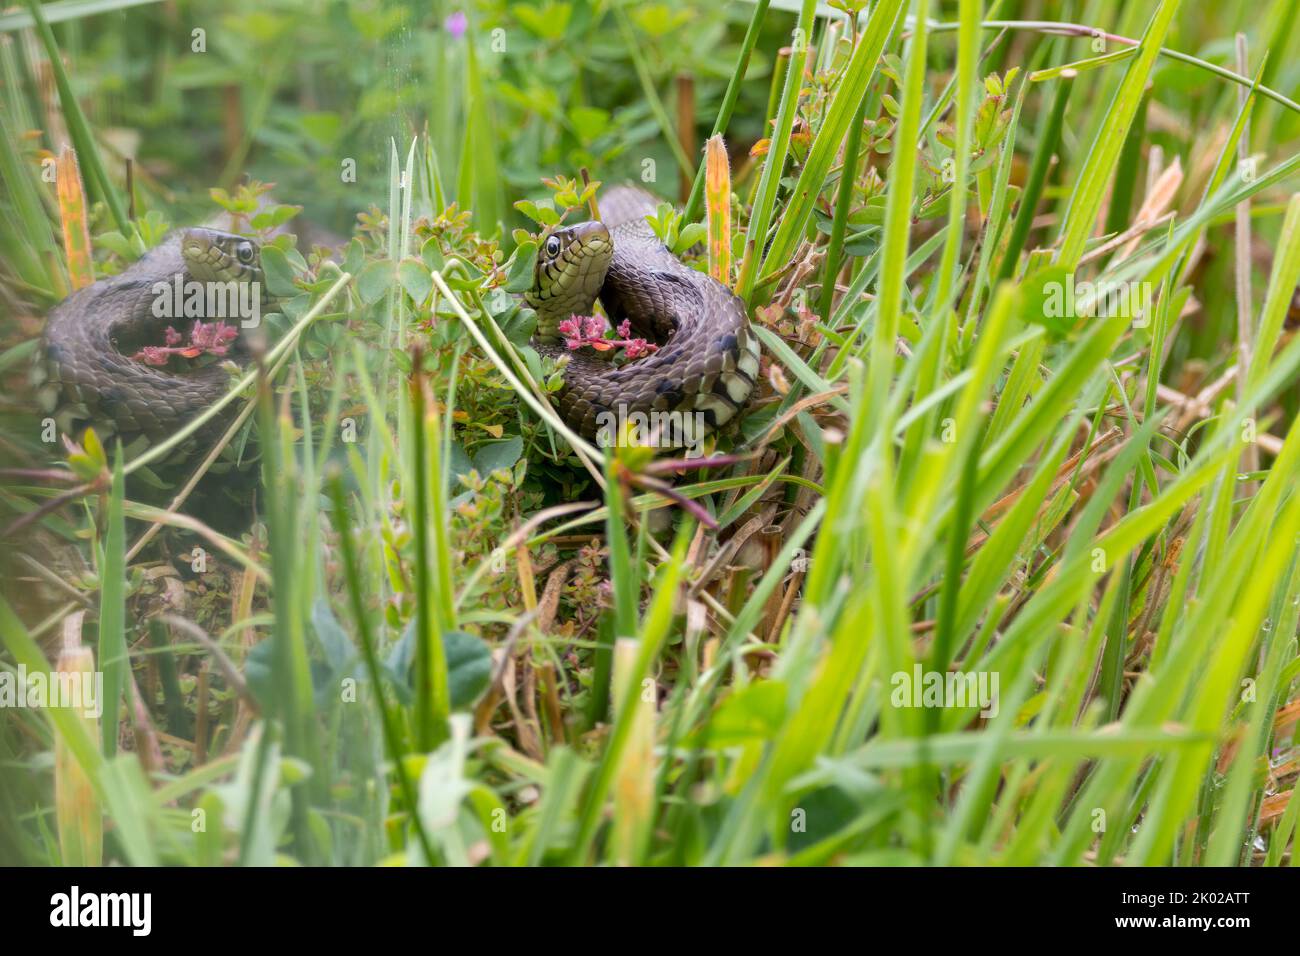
<point x="571" y="267"/>
<point x="215" y="256"/>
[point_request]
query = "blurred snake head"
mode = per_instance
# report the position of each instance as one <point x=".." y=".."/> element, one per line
<point x="571" y="267"/>
<point x="215" y="256"/>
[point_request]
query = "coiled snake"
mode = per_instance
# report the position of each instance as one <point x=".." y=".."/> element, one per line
<point x="704" y="371"/>
<point x="90" y="335"/>
<point x="706" y="367"/>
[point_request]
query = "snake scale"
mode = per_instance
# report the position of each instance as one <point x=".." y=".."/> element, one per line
<point x="705" y="368"/>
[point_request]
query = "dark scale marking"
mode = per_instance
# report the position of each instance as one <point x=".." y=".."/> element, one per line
<point x="720" y="389"/>
<point x="669" y="390"/>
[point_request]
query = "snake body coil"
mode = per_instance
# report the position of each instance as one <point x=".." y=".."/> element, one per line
<point x="707" y="362"/>
<point x="90" y="335"/>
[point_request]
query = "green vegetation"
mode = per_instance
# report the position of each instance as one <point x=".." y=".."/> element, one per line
<point x="1023" y="422"/>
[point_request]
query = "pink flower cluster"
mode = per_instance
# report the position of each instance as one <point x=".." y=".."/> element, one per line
<point x="211" y="338"/>
<point x="580" y="330"/>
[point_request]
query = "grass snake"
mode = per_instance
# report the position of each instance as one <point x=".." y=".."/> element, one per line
<point x="707" y="362"/>
<point x="90" y="376"/>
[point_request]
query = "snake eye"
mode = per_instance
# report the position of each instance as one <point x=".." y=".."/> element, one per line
<point x="245" y="252"/>
<point x="553" y="246"/>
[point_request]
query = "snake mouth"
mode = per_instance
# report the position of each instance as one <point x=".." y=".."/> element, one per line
<point x="570" y="271"/>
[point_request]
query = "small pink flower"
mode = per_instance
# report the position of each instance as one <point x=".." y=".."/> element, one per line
<point x="213" y="338"/>
<point x="591" y="330"/>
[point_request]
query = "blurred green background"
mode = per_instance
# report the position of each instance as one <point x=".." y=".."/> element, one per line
<point x="290" y="92"/>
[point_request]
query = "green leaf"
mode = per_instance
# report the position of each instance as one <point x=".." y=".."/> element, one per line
<point x="431" y="255"/>
<point x="415" y="279"/>
<point x="275" y="217"/>
<point x="519" y="270"/>
<point x="1045" y="302"/>
<point x="117" y="244"/>
<point x="354" y="260"/>
<point x="493" y="455"/>
<point x="755" y="712"/>
<point x="334" y="641"/>
<point x="277" y="272"/>
<point x="690" y="235"/>
<point x="469" y="667"/>
<point x="375" y="281"/>
<point x="588" y="122"/>
<point x="547" y="21"/>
